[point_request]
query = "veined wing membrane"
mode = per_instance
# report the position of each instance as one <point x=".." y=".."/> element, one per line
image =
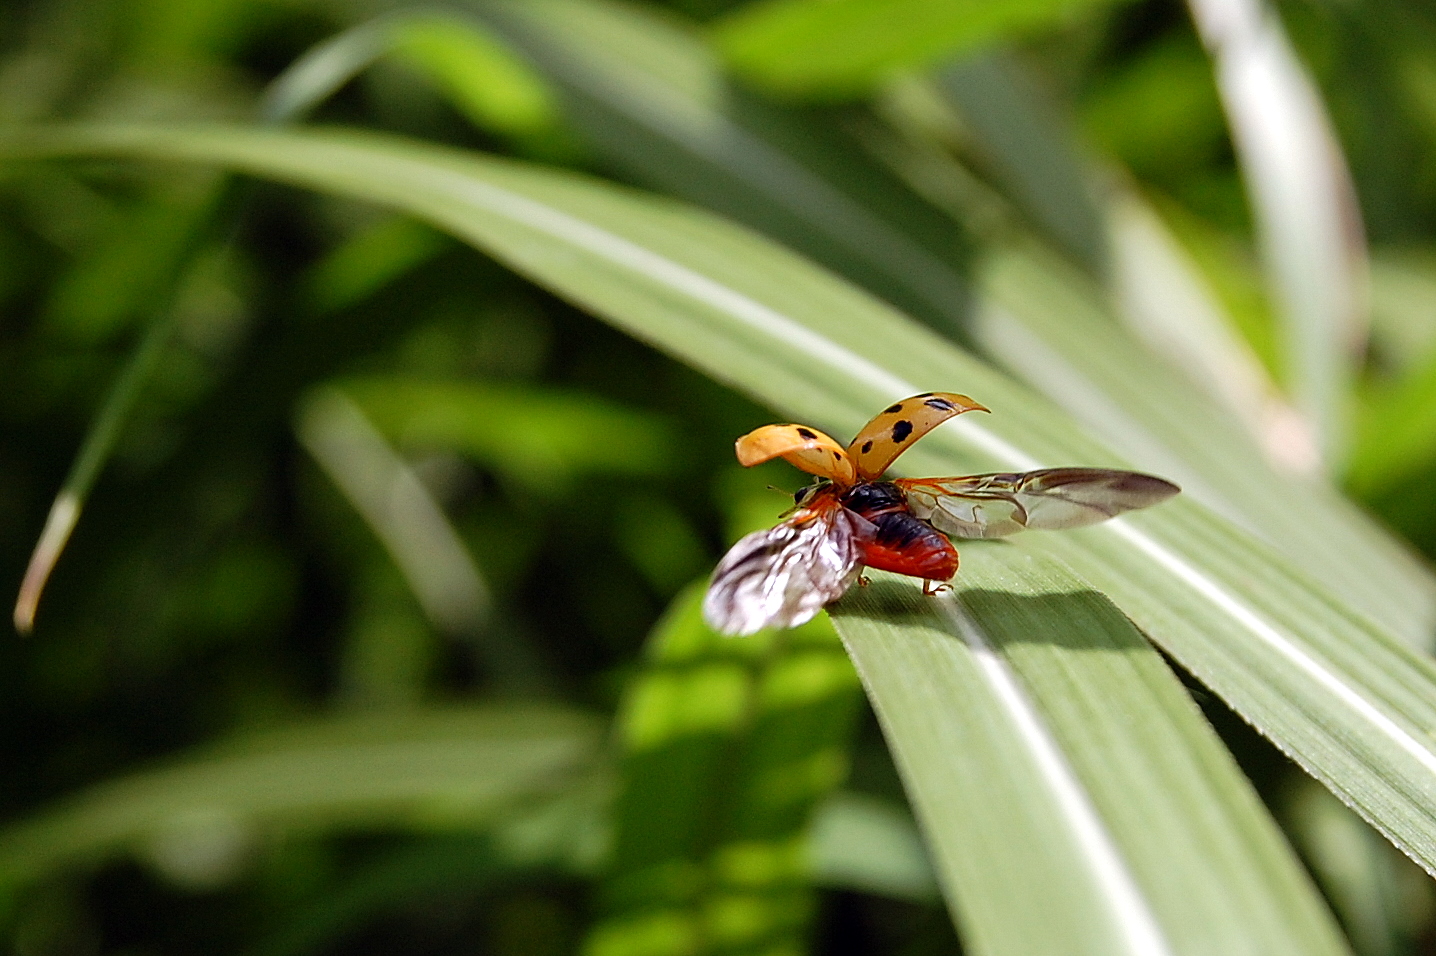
<point x="783" y="576"/>
<point x="991" y="506"/>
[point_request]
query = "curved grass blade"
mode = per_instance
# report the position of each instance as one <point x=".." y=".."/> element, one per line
<point x="1309" y="226"/>
<point x="105" y="430"/>
<point x="1017" y="132"/>
<point x="1049" y="325"/>
<point x="293" y="94"/>
<point x="401" y="511"/>
<point x="1080" y="782"/>
<point x="649" y="96"/>
<point x="1160" y="297"/>
<point x="656" y="85"/>
<point x="94" y="450"/>
<point x="1353" y="706"/>
<point x="1170" y="305"/>
<point x="492" y="86"/>
<point x="413" y="529"/>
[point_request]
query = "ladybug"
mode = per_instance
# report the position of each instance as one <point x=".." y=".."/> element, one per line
<point x="851" y="519"/>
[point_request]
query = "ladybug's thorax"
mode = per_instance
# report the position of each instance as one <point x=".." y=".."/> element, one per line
<point x="873" y="498"/>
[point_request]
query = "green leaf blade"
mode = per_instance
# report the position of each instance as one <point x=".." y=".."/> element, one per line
<point x="1047" y="325"/>
<point x="458" y="765"/>
<point x="843" y="46"/>
<point x="1077" y="779"/>
<point x="1044" y="323"/>
<point x="649" y="95"/>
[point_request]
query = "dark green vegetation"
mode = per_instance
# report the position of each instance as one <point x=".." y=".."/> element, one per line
<point x="396" y="357"/>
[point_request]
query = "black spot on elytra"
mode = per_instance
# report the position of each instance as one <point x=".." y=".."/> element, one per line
<point x="941" y="404"/>
<point x="838" y="455"/>
<point x="867" y="447"/>
<point x="901" y="430"/>
<point x="893" y="409"/>
<point x="807" y="433"/>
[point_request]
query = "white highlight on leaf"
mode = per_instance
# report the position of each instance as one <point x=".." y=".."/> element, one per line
<point x="770" y="321"/>
<point x="695" y="285"/>
<point x="1129" y="911"/>
<point x="1278" y="641"/>
<point x="616" y="249"/>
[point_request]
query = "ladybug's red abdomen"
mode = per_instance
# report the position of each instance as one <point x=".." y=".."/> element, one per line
<point x="905" y="545"/>
<point x="900" y="543"/>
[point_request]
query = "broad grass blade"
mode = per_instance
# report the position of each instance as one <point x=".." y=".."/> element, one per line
<point x="1073" y="798"/>
<point x="460" y="764"/>
<point x="1053" y="327"/>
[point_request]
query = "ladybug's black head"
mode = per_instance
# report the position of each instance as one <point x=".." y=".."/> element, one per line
<point x="803" y="494"/>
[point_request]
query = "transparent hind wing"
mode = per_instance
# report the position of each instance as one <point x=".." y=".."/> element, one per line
<point x="991" y="506"/>
<point x="784" y="576"/>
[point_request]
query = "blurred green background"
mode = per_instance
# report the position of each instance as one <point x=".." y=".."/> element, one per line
<point x="331" y="660"/>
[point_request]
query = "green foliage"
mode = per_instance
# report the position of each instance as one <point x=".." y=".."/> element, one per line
<point x="366" y="530"/>
<point x="728" y="747"/>
<point x="844" y="46"/>
<point x="442" y="769"/>
<point x="540" y="438"/>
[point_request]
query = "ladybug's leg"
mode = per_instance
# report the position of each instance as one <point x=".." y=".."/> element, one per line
<point x="864" y="580"/>
<point x="934" y="587"/>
